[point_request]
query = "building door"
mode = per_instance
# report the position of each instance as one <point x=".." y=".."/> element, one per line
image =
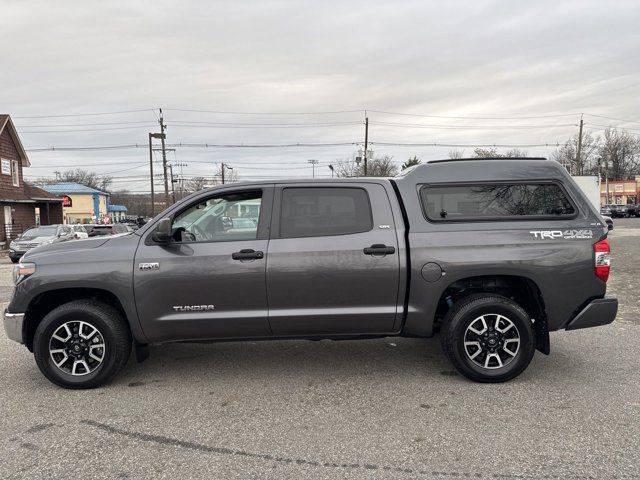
<point x="8" y="221"/>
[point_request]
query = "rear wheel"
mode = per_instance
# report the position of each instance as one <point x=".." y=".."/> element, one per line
<point x="81" y="344"/>
<point x="488" y="338"/>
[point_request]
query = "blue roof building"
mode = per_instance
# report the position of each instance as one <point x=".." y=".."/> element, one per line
<point x="81" y="204"/>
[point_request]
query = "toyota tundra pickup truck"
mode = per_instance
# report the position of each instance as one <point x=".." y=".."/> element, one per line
<point x="492" y="254"/>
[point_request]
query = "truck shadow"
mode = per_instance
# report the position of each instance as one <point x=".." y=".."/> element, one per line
<point x="323" y="361"/>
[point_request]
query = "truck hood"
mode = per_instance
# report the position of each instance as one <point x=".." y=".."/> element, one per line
<point x="68" y="246"/>
<point x="35" y="240"/>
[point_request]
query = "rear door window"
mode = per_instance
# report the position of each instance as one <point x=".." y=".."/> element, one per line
<point x="500" y="201"/>
<point x="323" y="211"/>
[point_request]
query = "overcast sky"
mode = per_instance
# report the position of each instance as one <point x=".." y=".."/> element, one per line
<point x="500" y="59"/>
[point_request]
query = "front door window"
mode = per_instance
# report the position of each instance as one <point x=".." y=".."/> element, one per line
<point x="232" y="216"/>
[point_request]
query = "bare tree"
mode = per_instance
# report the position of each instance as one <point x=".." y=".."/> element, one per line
<point x="137" y="204"/>
<point x="348" y="168"/>
<point x="494" y="153"/>
<point x="196" y="184"/>
<point x="376" y="167"/>
<point x="456" y="154"/>
<point x="382" y="167"/>
<point x="566" y="155"/>
<point x="619" y="154"/>
<point x="81" y="176"/>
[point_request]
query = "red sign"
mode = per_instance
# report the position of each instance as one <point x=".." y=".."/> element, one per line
<point x="66" y="201"/>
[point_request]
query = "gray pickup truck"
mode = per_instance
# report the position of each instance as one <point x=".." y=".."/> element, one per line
<point x="493" y="254"/>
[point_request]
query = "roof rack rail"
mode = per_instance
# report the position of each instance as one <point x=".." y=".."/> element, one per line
<point x="484" y="158"/>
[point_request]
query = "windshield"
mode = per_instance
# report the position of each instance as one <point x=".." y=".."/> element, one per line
<point x="48" y="231"/>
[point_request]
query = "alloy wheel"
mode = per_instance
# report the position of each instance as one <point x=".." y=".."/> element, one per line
<point x="491" y="341"/>
<point x="77" y="348"/>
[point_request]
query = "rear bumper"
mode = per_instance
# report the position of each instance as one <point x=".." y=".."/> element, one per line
<point x="601" y="311"/>
<point x="13" y="325"/>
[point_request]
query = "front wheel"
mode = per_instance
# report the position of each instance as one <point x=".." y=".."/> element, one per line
<point x="488" y="338"/>
<point x="81" y="344"/>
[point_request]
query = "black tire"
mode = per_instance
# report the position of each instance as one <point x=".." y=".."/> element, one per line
<point x="114" y="333"/>
<point x="14" y="259"/>
<point x="456" y="325"/>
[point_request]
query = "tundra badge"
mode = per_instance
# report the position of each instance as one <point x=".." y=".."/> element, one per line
<point x="193" y="308"/>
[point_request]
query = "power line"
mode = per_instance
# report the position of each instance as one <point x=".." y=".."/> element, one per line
<point x="482" y="127"/>
<point x="131" y="127"/>
<point x="467" y="145"/>
<point x="264" y="145"/>
<point x="188" y="145"/>
<point x="126" y="169"/>
<point x="258" y="162"/>
<point x="83" y="124"/>
<point x="474" y="118"/>
<point x="617" y="127"/>
<point x="82" y="149"/>
<point x="334" y="112"/>
<point x="261" y="125"/>
<point x="88" y="114"/>
<point x="611" y="118"/>
<point x="220" y="112"/>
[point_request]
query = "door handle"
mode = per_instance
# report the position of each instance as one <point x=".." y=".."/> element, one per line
<point x="247" y="254"/>
<point x="379" y="249"/>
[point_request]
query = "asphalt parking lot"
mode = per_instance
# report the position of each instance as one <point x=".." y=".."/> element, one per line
<point x="390" y="408"/>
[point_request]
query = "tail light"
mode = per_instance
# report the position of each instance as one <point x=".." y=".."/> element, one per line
<point x="602" y="259"/>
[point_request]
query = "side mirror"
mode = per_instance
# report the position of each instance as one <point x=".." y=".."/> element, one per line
<point x="610" y="226"/>
<point x="163" y="231"/>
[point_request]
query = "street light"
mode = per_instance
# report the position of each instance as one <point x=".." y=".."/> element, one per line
<point x="313" y="166"/>
<point x="161" y="136"/>
<point x="331" y="168"/>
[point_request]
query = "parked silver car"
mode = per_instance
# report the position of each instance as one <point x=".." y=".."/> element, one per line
<point x="36" y="236"/>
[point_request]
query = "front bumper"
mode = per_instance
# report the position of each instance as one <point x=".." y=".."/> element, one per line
<point x="13" y="325"/>
<point x="601" y="311"/>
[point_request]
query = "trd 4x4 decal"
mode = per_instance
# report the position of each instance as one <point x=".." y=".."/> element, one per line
<point x="564" y="234"/>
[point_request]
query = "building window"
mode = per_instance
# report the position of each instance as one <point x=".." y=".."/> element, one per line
<point x="15" y="173"/>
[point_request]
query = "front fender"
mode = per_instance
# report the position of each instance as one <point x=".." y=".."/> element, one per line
<point x="109" y="268"/>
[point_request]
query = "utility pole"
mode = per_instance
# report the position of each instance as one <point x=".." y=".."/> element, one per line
<point x="153" y="197"/>
<point x="173" y="188"/>
<point x="313" y="163"/>
<point x="366" y="143"/>
<point x="180" y="179"/>
<point x="224" y="167"/>
<point x="164" y="160"/>
<point x="579" y="152"/>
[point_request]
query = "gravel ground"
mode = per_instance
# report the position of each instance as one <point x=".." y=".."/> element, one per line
<point x="390" y="408"/>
